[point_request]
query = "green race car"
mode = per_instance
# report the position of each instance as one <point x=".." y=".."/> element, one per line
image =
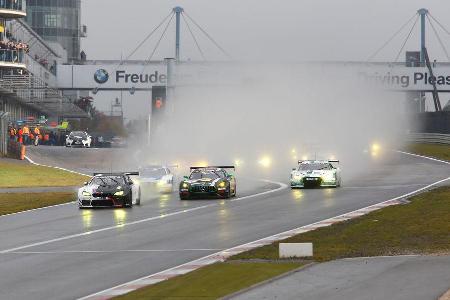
<point x="208" y="182"/>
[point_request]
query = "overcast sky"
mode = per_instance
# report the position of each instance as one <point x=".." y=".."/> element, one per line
<point x="269" y="30"/>
<point x="262" y="30"/>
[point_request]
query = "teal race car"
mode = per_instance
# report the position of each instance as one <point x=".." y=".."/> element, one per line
<point x="208" y="182"/>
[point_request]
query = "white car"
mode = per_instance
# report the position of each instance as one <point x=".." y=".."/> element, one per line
<point x="78" y="139"/>
<point x="156" y="178"/>
<point x="316" y="173"/>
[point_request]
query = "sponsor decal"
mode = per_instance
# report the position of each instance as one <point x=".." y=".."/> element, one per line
<point x="101" y="76"/>
<point x="399" y="80"/>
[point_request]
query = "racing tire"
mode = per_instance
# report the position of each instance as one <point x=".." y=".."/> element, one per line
<point x="138" y="200"/>
<point x="128" y="203"/>
<point x="228" y="194"/>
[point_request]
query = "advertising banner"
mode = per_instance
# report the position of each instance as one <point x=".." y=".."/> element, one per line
<point x="111" y="77"/>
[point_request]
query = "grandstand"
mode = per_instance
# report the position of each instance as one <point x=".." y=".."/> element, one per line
<point x="28" y="73"/>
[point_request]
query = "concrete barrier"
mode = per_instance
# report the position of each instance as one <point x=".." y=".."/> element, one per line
<point x="287" y="250"/>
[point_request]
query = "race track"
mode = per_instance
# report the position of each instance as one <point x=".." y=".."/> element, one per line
<point x="66" y="253"/>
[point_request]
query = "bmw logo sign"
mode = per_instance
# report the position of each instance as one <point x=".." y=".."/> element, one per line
<point x="101" y="76"/>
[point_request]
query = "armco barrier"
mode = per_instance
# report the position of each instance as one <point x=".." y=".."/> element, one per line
<point x="432" y="138"/>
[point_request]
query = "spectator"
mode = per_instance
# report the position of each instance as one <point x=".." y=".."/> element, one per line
<point x="52" y="138"/>
<point x="12" y="133"/>
<point x="46" y="138"/>
<point x="20" y="134"/>
<point x="37" y="135"/>
<point x="26" y="134"/>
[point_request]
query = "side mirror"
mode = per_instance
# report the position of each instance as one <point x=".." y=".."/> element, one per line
<point x="85" y="183"/>
<point x="186" y="177"/>
<point x="131" y="182"/>
<point x="294" y="169"/>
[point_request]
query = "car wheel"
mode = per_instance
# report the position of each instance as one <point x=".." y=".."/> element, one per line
<point x="184" y="197"/>
<point x="138" y="200"/>
<point x="228" y="194"/>
<point x="128" y="202"/>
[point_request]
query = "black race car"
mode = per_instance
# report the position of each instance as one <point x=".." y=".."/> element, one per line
<point x="110" y="190"/>
<point x="205" y="182"/>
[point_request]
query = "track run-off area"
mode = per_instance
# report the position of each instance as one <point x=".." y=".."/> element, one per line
<point x="66" y="253"/>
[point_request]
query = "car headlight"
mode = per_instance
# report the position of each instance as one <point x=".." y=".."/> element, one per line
<point x="222" y="184"/>
<point x="120" y="193"/>
<point x="329" y="176"/>
<point x="86" y="194"/>
<point x="185" y="185"/>
<point x="297" y="176"/>
<point x="119" y="187"/>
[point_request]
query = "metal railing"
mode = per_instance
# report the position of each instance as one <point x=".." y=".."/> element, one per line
<point x="13" y="5"/>
<point x="12" y="56"/>
<point x="430" y="138"/>
<point x="36" y="93"/>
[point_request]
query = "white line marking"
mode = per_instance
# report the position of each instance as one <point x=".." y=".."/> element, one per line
<point x="110" y="251"/>
<point x="425" y="157"/>
<point x="35" y="209"/>
<point x="58" y="168"/>
<point x="274" y="237"/>
<point x="282" y="186"/>
<point x="103" y="229"/>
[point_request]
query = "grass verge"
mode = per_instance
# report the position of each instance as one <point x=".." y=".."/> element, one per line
<point x="420" y="227"/>
<point x="432" y="150"/>
<point x="214" y="281"/>
<point x="26" y="175"/>
<point x="16" y="202"/>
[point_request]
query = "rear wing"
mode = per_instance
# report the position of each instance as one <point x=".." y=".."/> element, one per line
<point x="322" y="161"/>
<point x="118" y="174"/>
<point x="213" y="167"/>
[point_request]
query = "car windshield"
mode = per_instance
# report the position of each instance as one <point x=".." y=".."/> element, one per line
<point x="153" y="173"/>
<point x="78" y="133"/>
<point x="204" y="174"/>
<point x="314" y="166"/>
<point x="108" y="180"/>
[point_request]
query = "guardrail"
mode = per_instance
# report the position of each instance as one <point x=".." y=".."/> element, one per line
<point x="12" y="56"/>
<point x="431" y="138"/>
<point x="13" y="5"/>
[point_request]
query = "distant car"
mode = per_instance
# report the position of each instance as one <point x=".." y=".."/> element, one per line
<point x="157" y="178"/>
<point x="78" y="139"/>
<point x="316" y="173"/>
<point x="204" y="182"/>
<point x="110" y="190"/>
<point x="118" y="142"/>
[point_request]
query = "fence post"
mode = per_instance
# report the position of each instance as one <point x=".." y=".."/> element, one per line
<point x="3" y="133"/>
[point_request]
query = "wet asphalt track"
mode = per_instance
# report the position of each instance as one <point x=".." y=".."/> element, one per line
<point x="66" y="253"/>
